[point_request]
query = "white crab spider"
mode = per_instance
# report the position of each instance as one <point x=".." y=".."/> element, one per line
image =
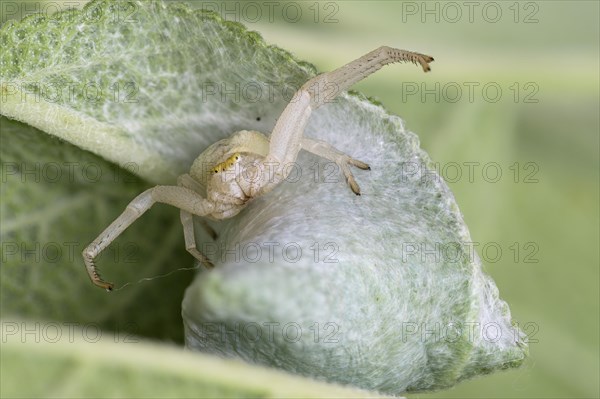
<point x="249" y="164"/>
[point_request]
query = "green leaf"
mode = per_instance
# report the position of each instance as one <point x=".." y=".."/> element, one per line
<point x="67" y="362"/>
<point x="55" y="200"/>
<point x="142" y="82"/>
<point x="138" y="102"/>
<point x="150" y="85"/>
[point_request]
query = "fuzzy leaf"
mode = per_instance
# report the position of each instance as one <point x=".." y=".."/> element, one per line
<point x="55" y="200"/>
<point x="80" y="363"/>
<point x="142" y="83"/>
<point x="382" y="291"/>
<point x="106" y="79"/>
<point x="152" y="85"/>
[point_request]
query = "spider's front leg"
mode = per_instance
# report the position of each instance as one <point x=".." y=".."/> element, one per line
<point x="179" y="197"/>
<point x="286" y="138"/>
<point x="187" y="221"/>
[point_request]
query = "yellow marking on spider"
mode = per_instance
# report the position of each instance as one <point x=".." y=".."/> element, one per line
<point x="228" y="163"/>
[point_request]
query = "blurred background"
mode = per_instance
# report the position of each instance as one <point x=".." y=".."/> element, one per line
<point x="510" y="114"/>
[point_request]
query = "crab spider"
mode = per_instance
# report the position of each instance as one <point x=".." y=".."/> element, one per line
<point x="249" y="164"/>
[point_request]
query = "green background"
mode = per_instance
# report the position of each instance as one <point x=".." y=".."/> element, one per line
<point x="545" y="218"/>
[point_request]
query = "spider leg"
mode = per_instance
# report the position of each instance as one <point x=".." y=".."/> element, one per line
<point x="327" y="86"/>
<point x="187" y="181"/>
<point x="179" y="197"/>
<point x="286" y="139"/>
<point x="187" y="221"/>
<point x="327" y="151"/>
